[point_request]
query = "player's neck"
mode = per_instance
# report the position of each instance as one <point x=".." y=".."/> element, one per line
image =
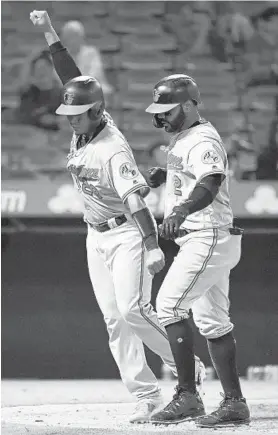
<point x="190" y="120"/>
<point x="97" y="129"/>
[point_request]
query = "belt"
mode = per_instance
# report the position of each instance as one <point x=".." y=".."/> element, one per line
<point x="234" y="231"/>
<point x="109" y="224"/>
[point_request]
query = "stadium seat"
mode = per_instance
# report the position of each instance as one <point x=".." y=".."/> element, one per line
<point x="135" y="25"/>
<point x="159" y="42"/>
<point x="146" y="61"/>
<point x="202" y="65"/>
<point x="141" y="140"/>
<point x="134" y="99"/>
<point x="11" y="70"/>
<point x="137" y="120"/>
<point x="47" y="159"/>
<point x="18" y="174"/>
<point x="6" y="10"/>
<point x="217" y="81"/>
<point x="23" y="136"/>
<point x="80" y="9"/>
<point x="137" y="79"/>
<point x="136" y="9"/>
<point x="105" y="43"/>
<point x="95" y="27"/>
<point x="219" y="119"/>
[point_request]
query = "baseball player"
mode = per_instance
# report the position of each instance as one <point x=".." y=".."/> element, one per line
<point x="198" y="217"/>
<point x="122" y="243"/>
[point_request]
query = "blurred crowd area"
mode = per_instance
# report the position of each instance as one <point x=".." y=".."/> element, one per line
<point x="230" y="48"/>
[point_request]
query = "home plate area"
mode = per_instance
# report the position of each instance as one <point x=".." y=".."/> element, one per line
<point x="113" y="418"/>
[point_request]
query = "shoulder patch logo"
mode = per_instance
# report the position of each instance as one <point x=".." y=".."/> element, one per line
<point x="210" y="157"/>
<point x="128" y="171"/>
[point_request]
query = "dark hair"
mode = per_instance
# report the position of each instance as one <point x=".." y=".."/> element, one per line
<point x="266" y="14"/>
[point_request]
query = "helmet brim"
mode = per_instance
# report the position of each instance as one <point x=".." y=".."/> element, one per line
<point x="68" y="110"/>
<point x="161" y="108"/>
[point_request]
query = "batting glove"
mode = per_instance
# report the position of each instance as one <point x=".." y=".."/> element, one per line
<point x="155" y="176"/>
<point x="171" y="225"/>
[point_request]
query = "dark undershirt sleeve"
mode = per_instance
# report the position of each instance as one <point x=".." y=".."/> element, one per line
<point x="64" y="64"/>
<point x="202" y="195"/>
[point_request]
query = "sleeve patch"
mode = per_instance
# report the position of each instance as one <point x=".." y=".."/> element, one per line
<point x="128" y="171"/>
<point x="210" y="157"/>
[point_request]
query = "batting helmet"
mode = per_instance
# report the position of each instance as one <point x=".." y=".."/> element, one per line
<point x="81" y="94"/>
<point x="173" y="90"/>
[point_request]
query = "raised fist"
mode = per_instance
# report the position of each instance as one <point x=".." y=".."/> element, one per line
<point x="41" y="20"/>
<point x="155" y="176"/>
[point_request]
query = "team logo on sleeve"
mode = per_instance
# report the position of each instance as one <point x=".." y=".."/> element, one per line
<point x="210" y="157"/>
<point x="128" y="171"/>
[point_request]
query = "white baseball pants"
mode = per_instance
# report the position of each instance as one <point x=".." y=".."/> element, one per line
<point x="199" y="279"/>
<point x="122" y="286"/>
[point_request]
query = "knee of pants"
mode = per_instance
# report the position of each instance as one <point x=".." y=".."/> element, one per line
<point x="113" y="324"/>
<point x="129" y="311"/>
<point x="167" y="312"/>
<point x="212" y="328"/>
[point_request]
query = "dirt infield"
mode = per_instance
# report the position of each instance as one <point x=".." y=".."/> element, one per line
<point x="84" y="407"/>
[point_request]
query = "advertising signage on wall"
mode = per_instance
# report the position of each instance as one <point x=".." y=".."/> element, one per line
<point x="59" y="198"/>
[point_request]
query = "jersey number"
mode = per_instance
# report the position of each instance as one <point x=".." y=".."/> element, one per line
<point x="177" y="186"/>
<point x="87" y="188"/>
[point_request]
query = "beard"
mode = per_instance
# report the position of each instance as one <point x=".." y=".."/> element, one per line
<point x="176" y="123"/>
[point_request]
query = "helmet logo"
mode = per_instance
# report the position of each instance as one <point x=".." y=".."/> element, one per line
<point x="68" y="98"/>
<point x="156" y="95"/>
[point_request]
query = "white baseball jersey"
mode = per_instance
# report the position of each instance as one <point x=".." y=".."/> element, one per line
<point x="193" y="154"/>
<point x="105" y="173"/>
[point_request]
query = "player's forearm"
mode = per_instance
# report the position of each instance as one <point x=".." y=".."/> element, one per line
<point x="51" y="36"/>
<point x="144" y="220"/>
<point x="202" y="195"/>
<point x="64" y="64"/>
<point x="198" y="200"/>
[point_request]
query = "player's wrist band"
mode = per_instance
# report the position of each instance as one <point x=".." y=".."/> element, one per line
<point x="56" y="46"/>
<point x="150" y="242"/>
<point x="146" y="226"/>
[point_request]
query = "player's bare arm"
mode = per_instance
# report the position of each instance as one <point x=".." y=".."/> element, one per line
<point x="202" y="195"/>
<point x="64" y="64"/>
<point x="145" y="223"/>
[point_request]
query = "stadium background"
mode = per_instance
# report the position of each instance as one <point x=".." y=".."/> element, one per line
<point x="51" y="325"/>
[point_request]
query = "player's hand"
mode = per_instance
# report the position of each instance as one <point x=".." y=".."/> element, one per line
<point x="170" y="225"/>
<point x="155" y="261"/>
<point x="41" y="20"/>
<point x="155" y="176"/>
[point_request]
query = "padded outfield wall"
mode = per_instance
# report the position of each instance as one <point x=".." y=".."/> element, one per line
<point x="53" y="328"/>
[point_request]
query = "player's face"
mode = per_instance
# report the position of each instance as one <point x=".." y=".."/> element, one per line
<point x="173" y="120"/>
<point x="82" y="124"/>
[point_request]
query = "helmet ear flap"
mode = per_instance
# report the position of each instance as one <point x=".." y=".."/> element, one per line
<point x="96" y="111"/>
<point x="156" y="121"/>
